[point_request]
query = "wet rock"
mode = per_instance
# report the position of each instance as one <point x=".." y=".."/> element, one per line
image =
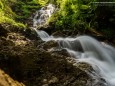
<point x="59" y="34"/>
<point x="31" y="34"/>
<point x="50" y="44"/>
<point x="73" y="45"/>
<point x="65" y="33"/>
<point x="84" y="66"/>
<point x="62" y="52"/>
<point x="47" y="28"/>
<point x="96" y="79"/>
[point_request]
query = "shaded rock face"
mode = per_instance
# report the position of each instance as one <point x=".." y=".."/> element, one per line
<point x="6" y="80"/>
<point x="37" y="63"/>
<point x="65" y="33"/>
<point x="47" y="28"/>
<point x="13" y="52"/>
<point x="3" y="32"/>
<point x="48" y="45"/>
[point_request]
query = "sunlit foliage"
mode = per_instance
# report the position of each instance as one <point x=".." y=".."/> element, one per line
<point x="72" y="14"/>
<point x="85" y="14"/>
<point x="7" y="15"/>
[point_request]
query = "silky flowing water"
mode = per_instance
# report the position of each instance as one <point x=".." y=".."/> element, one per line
<point x="83" y="48"/>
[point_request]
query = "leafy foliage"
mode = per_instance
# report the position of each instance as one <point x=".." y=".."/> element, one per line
<point x="24" y="9"/>
<point x="85" y="14"/>
<point x="72" y="13"/>
<point x="18" y="10"/>
<point x="7" y="15"/>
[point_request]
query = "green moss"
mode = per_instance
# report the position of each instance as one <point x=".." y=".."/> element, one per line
<point x="8" y="16"/>
<point x="24" y="9"/>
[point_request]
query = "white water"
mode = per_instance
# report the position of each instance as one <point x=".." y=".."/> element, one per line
<point x="83" y="48"/>
<point x="43" y="14"/>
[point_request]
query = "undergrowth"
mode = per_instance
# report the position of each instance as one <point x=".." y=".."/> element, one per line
<point x="7" y="15"/>
<point x="84" y="15"/>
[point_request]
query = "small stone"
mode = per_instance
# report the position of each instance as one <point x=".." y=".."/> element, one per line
<point x="53" y="80"/>
<point x="45" y="80"/>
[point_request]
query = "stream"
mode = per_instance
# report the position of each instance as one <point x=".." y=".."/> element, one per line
<point x="100" y="56"/>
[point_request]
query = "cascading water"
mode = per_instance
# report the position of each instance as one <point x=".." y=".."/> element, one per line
<point x="41" y="18"/>
<point x="83" y="48"/>
<point x="42" y="34"/>
<point x="42" y="15"/>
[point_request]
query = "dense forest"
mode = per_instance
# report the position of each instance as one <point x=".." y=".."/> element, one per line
<point x="29" y="56"/>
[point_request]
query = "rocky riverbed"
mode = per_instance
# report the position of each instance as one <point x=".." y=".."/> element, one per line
<point x="27" y="59"/>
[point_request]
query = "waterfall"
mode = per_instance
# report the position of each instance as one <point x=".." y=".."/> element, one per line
<point x="42" y="34"/>
<point x="84" y="48"/>
<point x="42" y="15"/>
<point x="41" y="18"/>
<point x="88" y="49"/>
